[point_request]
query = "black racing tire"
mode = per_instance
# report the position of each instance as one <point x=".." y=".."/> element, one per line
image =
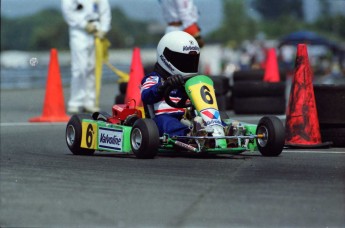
<point x="254" y="75"/>
<point x="330" y="100"/>
<point x="74" y="133"/>
<point x="221" y="85"/>
<point x="259" y="105"/>
<point x="119" y="99"/>
<point x="222" y="102"/>
<point x="123" y="87"/>
<point x="224" y="115"/>
<point x="248" y="75"/>
<point x="334" y="133"/>
<point x="229" y="102"/>
<point x="145" y="138"/>
<point x="274" y="136"/>
<point x="257" y="88"/>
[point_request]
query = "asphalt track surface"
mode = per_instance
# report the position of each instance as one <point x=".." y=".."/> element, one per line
<point x="43" y="185"/>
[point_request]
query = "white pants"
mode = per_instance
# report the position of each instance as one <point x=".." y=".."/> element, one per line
<point x="171" y="28"/>
<point x="83" y="91"/>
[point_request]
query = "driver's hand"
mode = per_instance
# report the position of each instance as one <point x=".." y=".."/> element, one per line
<point x="175" y="81"/>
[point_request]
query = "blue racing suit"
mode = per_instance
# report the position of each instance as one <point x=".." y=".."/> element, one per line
<point x="166" y="117"/>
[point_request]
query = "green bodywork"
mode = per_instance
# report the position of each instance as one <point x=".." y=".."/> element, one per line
<point x="166" y="146"/>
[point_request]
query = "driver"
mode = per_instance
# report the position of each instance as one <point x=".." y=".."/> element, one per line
<point x="177" y="55"/>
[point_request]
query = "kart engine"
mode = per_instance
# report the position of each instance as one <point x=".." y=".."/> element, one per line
<point x="235" y="129"/>
<point x="123" y="114"/>
<point x="238" y="129"/>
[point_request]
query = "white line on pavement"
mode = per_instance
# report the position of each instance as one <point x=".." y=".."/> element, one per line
<point x="31" y="124"/>
<point x="316" y="151"/>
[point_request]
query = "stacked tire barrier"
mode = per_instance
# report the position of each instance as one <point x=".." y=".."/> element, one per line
<point x="251" y="95"/>
<point x="223" y="92"/>
<point x="330" y="104"/>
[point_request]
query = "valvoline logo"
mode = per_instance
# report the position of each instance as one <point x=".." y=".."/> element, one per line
<point x="191" y="48"/>
<point x="110" y="138"/>
<point x="211" y="117"/>
<point x="211" y="113"/>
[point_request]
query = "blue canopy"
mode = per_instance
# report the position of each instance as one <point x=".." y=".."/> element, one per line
<point x="307" y="37"/>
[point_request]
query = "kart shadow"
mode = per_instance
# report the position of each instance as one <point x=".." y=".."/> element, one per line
<point x="175" y="155"/>
<point x="202" y="155"/>
<point x="107" y="155"/>
<point x="114" y="155"/>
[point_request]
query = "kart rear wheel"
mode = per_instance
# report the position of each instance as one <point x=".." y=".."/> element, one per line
<point x="274" y="136"/>
<point x="145" y="138"/>
<point x="74" y="133"/>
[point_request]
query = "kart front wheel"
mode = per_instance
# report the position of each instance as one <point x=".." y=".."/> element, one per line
<point x="73" y="135"/>
<point x="272" y="142"/>
<point x="145" y="138"/>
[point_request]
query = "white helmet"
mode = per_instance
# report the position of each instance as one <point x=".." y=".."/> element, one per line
<point x="178" y="53"/>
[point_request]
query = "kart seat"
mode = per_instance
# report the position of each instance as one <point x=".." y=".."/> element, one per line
<point x="149" y="111"/>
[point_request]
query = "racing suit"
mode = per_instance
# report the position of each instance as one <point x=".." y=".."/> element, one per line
<point x="78" y="14"/>
<point x="166" y="117"/>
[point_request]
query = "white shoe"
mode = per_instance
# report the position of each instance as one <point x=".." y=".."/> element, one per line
<point x="91" y="109"/>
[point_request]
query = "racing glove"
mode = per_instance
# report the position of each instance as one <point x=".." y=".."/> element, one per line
<point x="173" y="80"/>
<point x="99" y="34"/>
<point x="90" y="27"/>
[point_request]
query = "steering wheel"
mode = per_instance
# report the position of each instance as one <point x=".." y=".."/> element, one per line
<point x="184" y="97"/>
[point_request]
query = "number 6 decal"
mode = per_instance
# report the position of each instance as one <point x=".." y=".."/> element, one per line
<point x="89" y="135"/>
<point x="206" y="95"/>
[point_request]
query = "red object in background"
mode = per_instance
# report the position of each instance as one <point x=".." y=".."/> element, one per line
<point x="54" y="106"/>
<point x="271" y="67"/>
<point x="193" y="30"/>
<point x="302" y="124"/>
<point x="135" y="76"/>
<point x="207" y="70"/>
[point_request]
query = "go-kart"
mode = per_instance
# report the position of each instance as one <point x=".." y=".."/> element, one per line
<point x="131" y="130"/>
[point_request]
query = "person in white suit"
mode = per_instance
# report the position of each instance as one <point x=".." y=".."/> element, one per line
<point x="182" y="15"/>
<point x="87" y="19"/>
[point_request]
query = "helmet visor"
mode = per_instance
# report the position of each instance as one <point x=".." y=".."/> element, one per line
<point x="187" y="63"/>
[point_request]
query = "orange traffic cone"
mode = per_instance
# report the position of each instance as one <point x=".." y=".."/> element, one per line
<point x="135" y="76"/>
<point x="302" y="124"/>
<point x="271" y="68"/>
<point x="54" y="107"/>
